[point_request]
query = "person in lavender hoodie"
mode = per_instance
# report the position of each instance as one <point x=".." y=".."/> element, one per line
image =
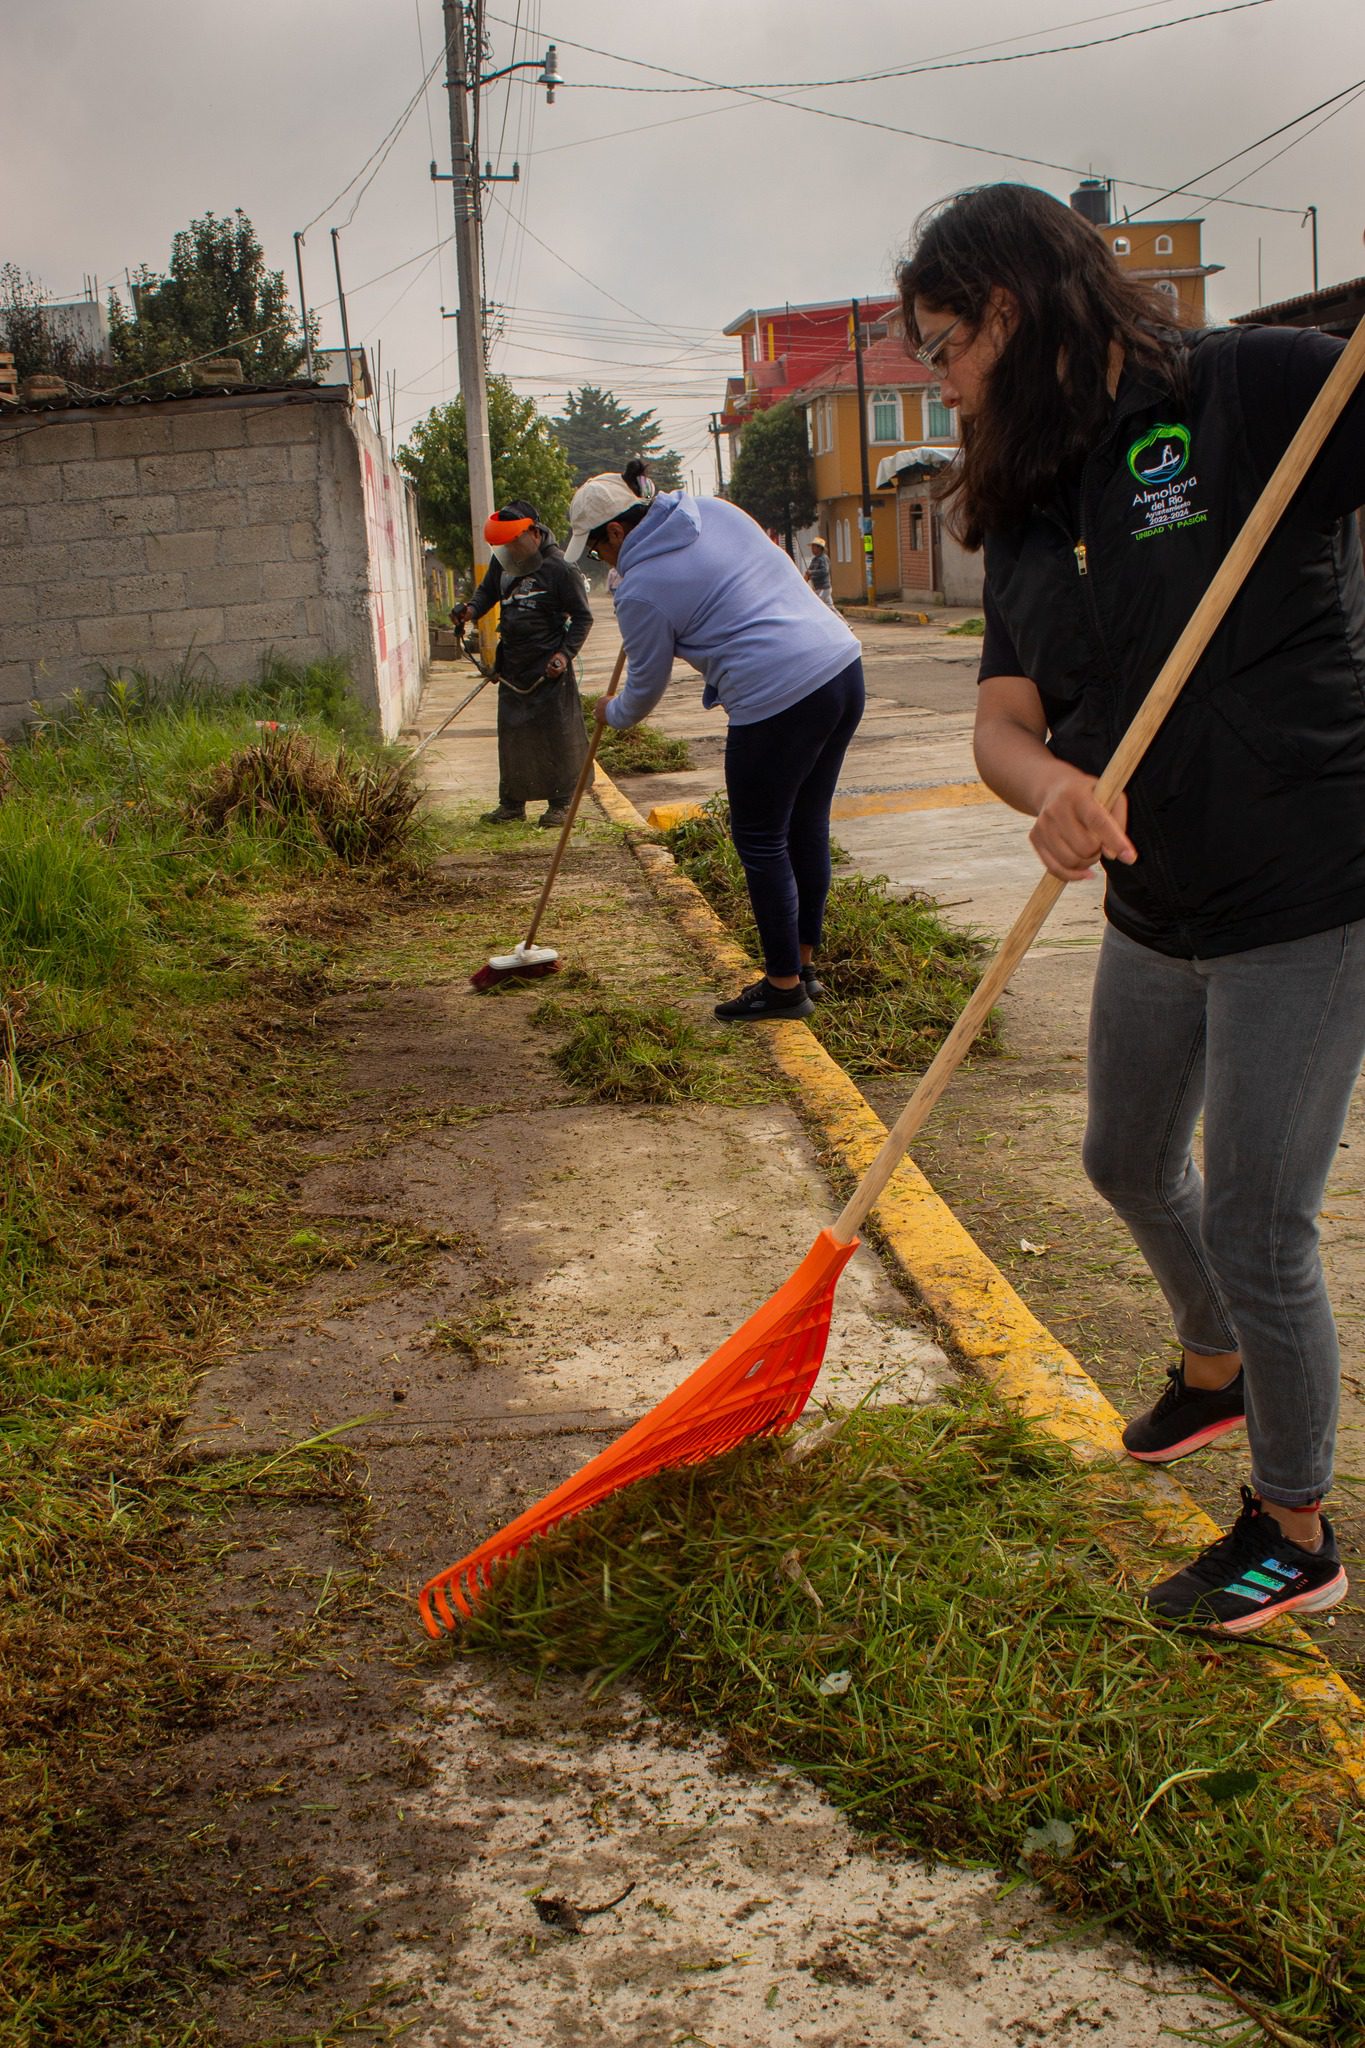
<point x="700" y="581"/>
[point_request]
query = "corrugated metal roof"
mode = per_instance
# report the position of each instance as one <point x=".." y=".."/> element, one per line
<point x="214" y="393"/>
<point x="1307" y="302"/>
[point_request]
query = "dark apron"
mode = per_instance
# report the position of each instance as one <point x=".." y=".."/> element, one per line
<point x="542" y="740"/>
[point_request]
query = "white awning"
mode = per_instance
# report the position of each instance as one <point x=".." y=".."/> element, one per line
<point x="924" y="460"/>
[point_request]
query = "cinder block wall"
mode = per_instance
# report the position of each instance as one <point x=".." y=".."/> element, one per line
<point x="219" y="528"/>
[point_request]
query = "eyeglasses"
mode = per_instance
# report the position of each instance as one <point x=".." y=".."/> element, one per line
<point x="931" y="351"/>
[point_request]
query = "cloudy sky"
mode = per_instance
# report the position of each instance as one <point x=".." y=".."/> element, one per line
<point x="654" y="207"/>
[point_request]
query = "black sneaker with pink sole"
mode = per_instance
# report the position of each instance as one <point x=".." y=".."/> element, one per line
<point x="1185" y="1419"/>
<point x="1250" y="1575"/>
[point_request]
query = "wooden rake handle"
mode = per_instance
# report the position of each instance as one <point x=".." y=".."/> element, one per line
<point x="583" y="774"/>
<point x="1261" y="521"/>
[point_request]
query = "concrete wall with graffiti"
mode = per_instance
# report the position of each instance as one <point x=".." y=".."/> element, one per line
<point x="373" y="568"/>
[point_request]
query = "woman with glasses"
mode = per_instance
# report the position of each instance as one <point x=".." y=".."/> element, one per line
<point x="699" y="581"/>
<point x="1108" y="460"/>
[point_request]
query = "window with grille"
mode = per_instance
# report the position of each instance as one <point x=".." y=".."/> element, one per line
<point x="886" y="416"/>
<point x="939" y="419"/>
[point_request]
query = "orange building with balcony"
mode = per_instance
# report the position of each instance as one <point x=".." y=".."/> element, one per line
<point x="903" y="410"/>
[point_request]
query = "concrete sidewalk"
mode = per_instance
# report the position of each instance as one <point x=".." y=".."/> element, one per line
<point x="581" y="1260"/>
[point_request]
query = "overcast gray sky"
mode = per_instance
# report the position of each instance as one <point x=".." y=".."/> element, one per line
<point x="668" y="212"/>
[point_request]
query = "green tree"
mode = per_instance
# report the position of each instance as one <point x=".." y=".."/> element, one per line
<point x="598" y="433"/>
<point x="41" y="344"/>
<point x="528" y="462"/>
<point x="771" y="478"/>
<point x="216" y="298"/>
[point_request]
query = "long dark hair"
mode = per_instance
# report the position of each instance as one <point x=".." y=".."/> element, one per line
<point x="1047" y="399"/>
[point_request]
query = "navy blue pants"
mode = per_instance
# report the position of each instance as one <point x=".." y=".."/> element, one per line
<point x="779" y="776"/>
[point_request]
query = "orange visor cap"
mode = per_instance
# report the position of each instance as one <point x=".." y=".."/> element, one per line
<point x="498" y="532"/>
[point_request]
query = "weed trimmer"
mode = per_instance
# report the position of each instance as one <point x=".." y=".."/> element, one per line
<point x="486" y="676"/>
<point x="528" y="961"/>
<point x="760" y="1379"/>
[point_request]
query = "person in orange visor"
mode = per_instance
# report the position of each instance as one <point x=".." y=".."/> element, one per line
<point x="545" y="619"/>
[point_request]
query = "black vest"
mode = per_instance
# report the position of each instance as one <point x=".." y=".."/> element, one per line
<point x="1248" y="812"/>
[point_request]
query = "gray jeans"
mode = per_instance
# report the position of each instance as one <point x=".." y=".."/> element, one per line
<point x="1268" y="1043"/>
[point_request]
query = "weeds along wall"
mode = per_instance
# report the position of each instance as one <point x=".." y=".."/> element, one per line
<point x="218" y="527"/>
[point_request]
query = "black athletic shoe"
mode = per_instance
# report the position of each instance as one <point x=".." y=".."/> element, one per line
<point x="555" y="814"/>
<point x="505" y="814"/>
<point x="762" y="999"/>
<point x="1250" y="1575"/>
<point x="1185" y="1419"/>
<point x="813" y="985"/>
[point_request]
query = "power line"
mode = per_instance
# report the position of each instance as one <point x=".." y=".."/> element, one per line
<point x="380" y="150"/>
<point x="1284" y="127"/>
<point x="586" y="279"/>
<point x="1255" y="171"/>
<point x="911" y="70"/>
<point x="892" y="128"/>
<point x="869" y="77"/>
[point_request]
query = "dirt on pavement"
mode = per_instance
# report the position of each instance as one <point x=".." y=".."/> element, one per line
<point x="370" y="1837"/>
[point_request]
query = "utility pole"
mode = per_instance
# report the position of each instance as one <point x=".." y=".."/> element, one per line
<point x="464" y="187"/>
<point x="715" y="436"/>
<point x="341" y="301"/>
<point x="865" y="522"/>
<point x="1311" y="213"/>
<point x="303" y="307"/>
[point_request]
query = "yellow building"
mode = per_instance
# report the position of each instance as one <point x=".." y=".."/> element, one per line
<point x="904" y="410"/>
<point x="1165" y="253"/>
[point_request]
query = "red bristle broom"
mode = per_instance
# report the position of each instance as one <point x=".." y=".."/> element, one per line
<point x="760" y="1379"/>
<point x="528" y="961"/>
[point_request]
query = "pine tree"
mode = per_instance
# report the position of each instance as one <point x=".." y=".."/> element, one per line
<point x="598" y="433"/>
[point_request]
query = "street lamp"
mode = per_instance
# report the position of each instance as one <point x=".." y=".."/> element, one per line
<point x="549" y="72"/>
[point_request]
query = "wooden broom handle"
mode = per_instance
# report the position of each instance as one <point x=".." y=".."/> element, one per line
<point x="584" y="772"/>
<point x="1208" y="614"/>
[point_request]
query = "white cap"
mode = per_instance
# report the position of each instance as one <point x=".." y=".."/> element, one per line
<point x="600" y="499"/>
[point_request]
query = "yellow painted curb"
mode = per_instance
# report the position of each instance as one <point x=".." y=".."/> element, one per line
<point x="875" y="803"/>
<point x="973" y="1303"/>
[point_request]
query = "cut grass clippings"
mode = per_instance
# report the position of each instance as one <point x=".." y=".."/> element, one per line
<point x="952" y="1661"/>
<point x="621" y="1051"/>
<point x="896" y="973"/>
<point x="643" y="750"/>
<point x="157" y="1044"/>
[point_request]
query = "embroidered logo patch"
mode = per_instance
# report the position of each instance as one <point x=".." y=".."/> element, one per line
<point x="1161" y="456"/>
<point x="1159" y="463"/>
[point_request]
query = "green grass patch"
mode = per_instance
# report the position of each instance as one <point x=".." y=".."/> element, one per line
<point x="160" y="970"/>
<point x="972" y="629"/>
<point x="895" y="971"/>
<point x="616" y="1050"/>
<point x="644" y="750"/>
<point x="924" y="1618"/>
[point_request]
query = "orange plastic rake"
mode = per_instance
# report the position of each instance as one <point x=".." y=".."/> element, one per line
<point x="760" y="1379"/>
<point x="756" y="1384"/>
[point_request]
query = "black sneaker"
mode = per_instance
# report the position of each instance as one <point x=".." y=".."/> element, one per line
<point x="1185" y="1419"/>
<point x="505" y="814"/>
<point x="554" y="814"/>
<point x="764" y="999"/>
<point x="1250" y="1575"/>
<point x="813" y="984"/>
